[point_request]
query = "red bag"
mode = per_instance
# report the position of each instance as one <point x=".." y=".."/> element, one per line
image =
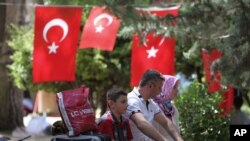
<point x="76" y="112"/>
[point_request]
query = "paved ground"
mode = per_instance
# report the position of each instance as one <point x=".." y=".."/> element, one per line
<point x="33" y="138"/>
<point x="20" y="133"/>
<point x="22" y="136"/>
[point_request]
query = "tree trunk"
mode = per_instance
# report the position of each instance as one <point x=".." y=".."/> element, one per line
<point x="11" y="115"/>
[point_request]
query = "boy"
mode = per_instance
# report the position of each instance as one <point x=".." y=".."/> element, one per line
<point x="112" y="122"/>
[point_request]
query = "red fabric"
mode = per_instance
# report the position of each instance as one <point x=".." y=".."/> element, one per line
<point x="227" y="102"/>
<point x="160" y="12"/>
<point x="75" y="109"/>
<point x="107" y="24"/>
<point x="106" y="126"/>
<point x="163" y="61"/>
<point x="213" y="77"/>
<point x="58" y="26"/>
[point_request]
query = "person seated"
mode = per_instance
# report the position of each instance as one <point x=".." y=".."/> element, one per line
<point x="165" y="102"/>
<point x="143" y="111"/>
<point x="112" y="122"/>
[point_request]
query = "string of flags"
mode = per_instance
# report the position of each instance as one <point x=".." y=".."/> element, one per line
<point x="56" y="40"/>
<point x="157" y="53"/>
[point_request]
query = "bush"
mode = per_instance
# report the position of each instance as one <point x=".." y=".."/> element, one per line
<point x="200" y="115"/>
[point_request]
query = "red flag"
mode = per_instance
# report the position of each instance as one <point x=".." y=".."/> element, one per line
<point x="160" y="12"/>
<point x="55" y="43"/>
<point x="157" y="53"/>
<point x="213" y="77"/>
<point x="227" y="102"/>
<point x="100" y="30"/>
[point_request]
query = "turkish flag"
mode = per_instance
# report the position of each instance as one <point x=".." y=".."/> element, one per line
<point x="55" y="43"/>
<point x="213" y="77"/>
<point x="159" y="11"/>
<point x="157" y="53"/>
<point x="100" y="30"/>
<point x="227" y="102"/>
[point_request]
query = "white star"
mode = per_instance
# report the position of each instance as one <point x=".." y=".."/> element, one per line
<point x="152" y="52"/>
<point x="99" y="28"/>
<point x="53" y="48"/>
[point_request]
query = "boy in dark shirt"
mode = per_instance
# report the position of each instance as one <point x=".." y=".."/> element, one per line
<point x="112" y="122"/>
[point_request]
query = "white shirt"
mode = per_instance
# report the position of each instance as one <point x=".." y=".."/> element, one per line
<point x="137" y="104"/>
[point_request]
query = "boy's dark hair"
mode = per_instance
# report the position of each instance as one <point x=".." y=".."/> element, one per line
<point x="238" y="97"/>
<point x="114" y="93"/>
<point x="150" y="75"/>
<point x="238" y="102"/>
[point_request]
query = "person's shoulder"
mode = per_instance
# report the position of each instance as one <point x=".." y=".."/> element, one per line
<point x="132" y="97"/>
<point x="105" y="118"/>
<point x="131" y="93"/>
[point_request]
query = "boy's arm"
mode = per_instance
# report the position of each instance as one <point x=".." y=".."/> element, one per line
<point x="144" y="126"/>
<point x="168" y="125"/>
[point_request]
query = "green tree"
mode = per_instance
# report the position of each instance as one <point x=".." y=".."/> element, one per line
<point x="11" y="114"/>
<point x="206" y="24"/>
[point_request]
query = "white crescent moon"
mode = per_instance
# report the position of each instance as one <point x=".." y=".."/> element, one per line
<point x="104" y="15"/>
<point x="56" y="22"/>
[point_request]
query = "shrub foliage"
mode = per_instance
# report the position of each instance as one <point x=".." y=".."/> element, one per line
<point x="200" y="115"/>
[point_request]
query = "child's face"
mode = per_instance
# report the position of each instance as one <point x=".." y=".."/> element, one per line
<point x="120" y="105"/>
